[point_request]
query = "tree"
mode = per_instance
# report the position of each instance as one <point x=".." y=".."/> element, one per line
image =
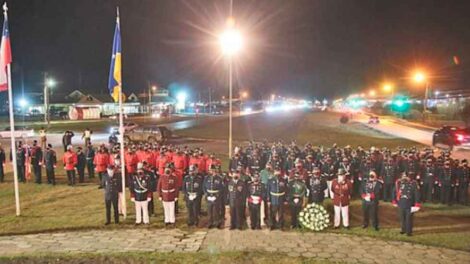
<point x="465" y="114"/>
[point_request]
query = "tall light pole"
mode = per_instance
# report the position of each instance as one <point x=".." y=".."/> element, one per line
<point x="48" y="83"/>
<point x="231" y="42"/>
<point x="420" y="77"/>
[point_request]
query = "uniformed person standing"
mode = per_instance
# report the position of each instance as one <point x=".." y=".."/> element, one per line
<point x="50" y="162"/>
<point x="297" y="190"/>
<point x="2" y="163"/>
<point x="36" y="162"/>
<point x="406" y="197"/>
<point x="81" y="163"/>
<point x="429" y="177"/>
<point x="43" y="137"/>
<point x="236" y="191"/>
<point x="266" y="174"/>
<point x="463" y="180"/>
<point x="446" y="182"/>
<point x="389" y="173"/>
<point x="342" y="189"/>
<point x="140" y="195"/>
<point x="192" y="189"/>
<point x="370" y="193"/>
<point x="67" y="139"/>
<point x="276" y="196"/>
<point x="70" y="161"/>
<point x="213" y="190"/>
<point x="101" y="162"/>
<point x="256" y="193"/>
<point x="90" y="156"/>
<point x="167" y="190"/>
<point x="316" y="186"/>
<point x="87" y="136"/>
<point x="152" y="186"/>
<point x="112" y="185"/>
<point x="21" y="162"/>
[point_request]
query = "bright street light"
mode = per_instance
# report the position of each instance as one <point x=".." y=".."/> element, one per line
<point x="50" y="82"/>
<point x="23" y="102"/>
<point x="154" y="88"/>
<point x="231" y="41"/>
<point x="244" y="94"/>
<point x="419" y="77"/>
<point x="372" y="93"/>
<point x="388" y="87"/>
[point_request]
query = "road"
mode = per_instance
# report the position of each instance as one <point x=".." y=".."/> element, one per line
<point x="99" y="137"/>
<point x="423" y="135"/>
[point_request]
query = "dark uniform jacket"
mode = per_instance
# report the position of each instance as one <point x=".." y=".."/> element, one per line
<point x="192" y="187"/>
<point x="297" y="190"/>
<point x="389" y="173"/>
<point x="112" y="186"/>
<point x="50" y="159"/>
<point x="256" y="193"/>
<point x="36" y="155"/>
<point x="276" y="191"/>
<point x="213" y="188"/>
<point x="429" y="174"/>
<point x="371" y="189"/>
<point x="447" y="176"/>
<point x="139" y="187"/>
<point x="463" y="175"/>
<point x="236" y="192"/>
<point x="406" y="194"/>
<point x="316" y="187"/>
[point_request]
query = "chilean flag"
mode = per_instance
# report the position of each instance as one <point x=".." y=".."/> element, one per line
<point x="5" y="53"/>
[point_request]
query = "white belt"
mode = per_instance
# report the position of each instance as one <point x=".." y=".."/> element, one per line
<point x="168" y="191"/>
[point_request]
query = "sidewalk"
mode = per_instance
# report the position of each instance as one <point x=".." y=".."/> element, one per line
<point x="334" y="247"/>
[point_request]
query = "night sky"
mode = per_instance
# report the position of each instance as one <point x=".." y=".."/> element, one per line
<point x="294" y="47"/>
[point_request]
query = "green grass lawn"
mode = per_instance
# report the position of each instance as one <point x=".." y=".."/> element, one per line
<point x="47" y="209"/>
<point x="318" y="128"/>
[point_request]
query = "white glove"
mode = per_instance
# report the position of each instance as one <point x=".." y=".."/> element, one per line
<point x="414" y="209"/>
<point x="133" y="199"/>
<point x="149" y="199"/>
<point x="176" y="199"/>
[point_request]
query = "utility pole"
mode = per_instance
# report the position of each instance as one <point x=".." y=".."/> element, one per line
<point x="210" y="100"/>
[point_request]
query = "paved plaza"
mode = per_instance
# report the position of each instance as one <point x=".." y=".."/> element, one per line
<point x="336" y="247"/>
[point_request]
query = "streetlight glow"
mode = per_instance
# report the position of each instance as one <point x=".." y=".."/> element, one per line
<point x="244" y="94"/>
<point x="231" y="41"/>
<point x="372" y="93"/>
<point x="419" y="77"/>
<point x="50" y="82"/>
<point x="388" y="87"/>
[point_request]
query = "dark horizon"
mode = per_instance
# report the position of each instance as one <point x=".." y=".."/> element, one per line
<point x="298" y="48"/>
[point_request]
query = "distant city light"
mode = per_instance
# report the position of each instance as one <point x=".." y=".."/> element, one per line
<point x="181" y="100"/>
<point x="23" y="102"/>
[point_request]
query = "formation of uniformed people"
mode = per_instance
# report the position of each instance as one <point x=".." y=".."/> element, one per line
<point x="262" y="182"/>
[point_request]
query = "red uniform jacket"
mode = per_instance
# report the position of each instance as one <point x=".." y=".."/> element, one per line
<point x="210" y="162"/>
<point x="101" y="161"/>
<point x="140" y="155"/>
<point x="167" y="188"/>
<point x="156" y="156"/>
<point x="148" y="157"/>
<point x="131" y="162"/>
<point x="342" y="192"/>
<point x="200" y="162"/>
<point x="162" y="161"/>
<point x="70" y="160"/>
<point x="180" y="167"/>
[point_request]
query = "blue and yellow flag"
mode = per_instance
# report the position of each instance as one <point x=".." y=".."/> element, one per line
<point x="114" y="83"/>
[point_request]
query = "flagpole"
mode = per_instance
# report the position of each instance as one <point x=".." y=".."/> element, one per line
<point x="12" y="130"/>
<point x="121" y="140"/>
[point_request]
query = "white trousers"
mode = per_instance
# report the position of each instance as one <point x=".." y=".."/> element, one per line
<point x="328" y="191"/>
<point x="141" y="207"/>
<point x="342" y="211"/>
<point x="169" y="210"/>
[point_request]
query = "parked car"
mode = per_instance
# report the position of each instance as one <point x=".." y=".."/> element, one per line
<point x="20" y="132"/>
<point x="452" y="137"/>
<point x="148" y="134"/>
<point x="127" y="127"/>
<point x="374" y="120"/>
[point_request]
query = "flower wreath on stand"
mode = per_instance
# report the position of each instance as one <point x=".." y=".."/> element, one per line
<point x="314" y="217"/>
